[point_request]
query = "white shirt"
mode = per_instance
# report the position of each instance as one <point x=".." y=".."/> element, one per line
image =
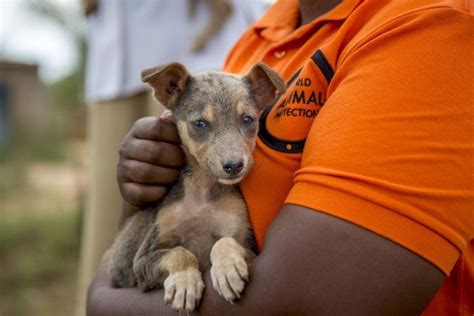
<point x="127" y="36"/>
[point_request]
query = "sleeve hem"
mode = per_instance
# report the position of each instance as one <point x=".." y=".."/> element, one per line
<point x="389" y="224"/>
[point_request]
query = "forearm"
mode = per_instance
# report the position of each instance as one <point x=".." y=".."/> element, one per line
<point x="312" y="263"/>
<point x="102" y="299"/>
<point x="341" y="270"/>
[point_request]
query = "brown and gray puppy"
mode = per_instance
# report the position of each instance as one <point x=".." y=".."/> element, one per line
<point x="203" y="220"/>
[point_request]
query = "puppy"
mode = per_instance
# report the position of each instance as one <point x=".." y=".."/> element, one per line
<point x="203" y="219"/>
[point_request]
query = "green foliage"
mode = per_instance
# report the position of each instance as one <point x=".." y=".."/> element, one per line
<point x="39" y="253"/>
<point x="48" y="146"/>
<point x="67" y="93"/>
<point x="65" y="98"/>
<point x="36" y="252"/>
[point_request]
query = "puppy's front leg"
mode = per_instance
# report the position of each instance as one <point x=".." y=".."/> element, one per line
<point x="177" y="266"/>
<point x="229" y="269"/>
<point x="184" y="285"/>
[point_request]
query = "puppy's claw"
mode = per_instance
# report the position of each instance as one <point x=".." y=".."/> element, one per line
<point x="228" y="277"/>
<point x="183" y="289"/>
<point x="169" y="294"/>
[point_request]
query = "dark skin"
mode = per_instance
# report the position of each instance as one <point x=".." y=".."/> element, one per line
<point x="300" y="273"/>
<point x="326" y="266"/>
<point x="150" y="158"/>
<point x="312" y="9"/>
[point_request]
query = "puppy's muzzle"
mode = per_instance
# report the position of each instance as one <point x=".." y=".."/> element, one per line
<point x="233" y="167"/>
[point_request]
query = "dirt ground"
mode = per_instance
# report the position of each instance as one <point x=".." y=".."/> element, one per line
<point x="40" y="215"/>
<point x="45" y="187"/>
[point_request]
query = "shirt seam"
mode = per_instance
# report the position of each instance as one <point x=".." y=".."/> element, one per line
<point x="365" y="40"/>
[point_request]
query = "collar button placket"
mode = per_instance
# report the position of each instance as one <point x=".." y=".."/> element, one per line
<point x="279" y="53"/>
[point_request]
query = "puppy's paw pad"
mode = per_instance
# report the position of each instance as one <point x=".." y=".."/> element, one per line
<point x="183" y="289"/>
<point x="228" y="276"/>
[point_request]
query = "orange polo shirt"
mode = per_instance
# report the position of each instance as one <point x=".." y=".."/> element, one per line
<point x="376" y="126"/>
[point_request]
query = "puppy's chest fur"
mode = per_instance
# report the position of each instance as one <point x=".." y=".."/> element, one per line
<point x="198" y="211"/>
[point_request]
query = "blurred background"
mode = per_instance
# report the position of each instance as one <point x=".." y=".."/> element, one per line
<point x="42" y="154"/>
<point x="48" y="250"/>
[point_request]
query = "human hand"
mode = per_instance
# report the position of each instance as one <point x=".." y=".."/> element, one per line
<point x="150" y="157"/>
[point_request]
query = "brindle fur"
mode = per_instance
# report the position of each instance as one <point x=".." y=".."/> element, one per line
<point x="203" y="219"/>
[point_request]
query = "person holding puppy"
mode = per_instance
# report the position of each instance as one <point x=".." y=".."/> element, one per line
<point x="361" y="197"/>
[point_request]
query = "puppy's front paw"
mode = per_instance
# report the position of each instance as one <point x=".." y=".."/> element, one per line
<point x="183" y="289"/>
<point x="228" y="275"/>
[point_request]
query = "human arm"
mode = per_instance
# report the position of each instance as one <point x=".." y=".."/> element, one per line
<point x="293" y="273"/>
<point x="364" y="274"/>
<point x="416" y="133"/>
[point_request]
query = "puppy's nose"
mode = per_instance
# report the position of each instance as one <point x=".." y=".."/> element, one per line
<point x="233" y="166"/>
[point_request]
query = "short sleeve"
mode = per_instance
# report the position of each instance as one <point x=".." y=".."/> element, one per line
<point x="392" y="148"/>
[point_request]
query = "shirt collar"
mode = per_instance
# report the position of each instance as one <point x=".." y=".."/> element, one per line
<point x="283" y="17"/>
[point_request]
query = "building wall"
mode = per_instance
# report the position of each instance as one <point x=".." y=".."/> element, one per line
<point x="24" y="100"/>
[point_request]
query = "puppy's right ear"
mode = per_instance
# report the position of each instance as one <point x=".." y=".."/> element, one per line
<point x="265" y="83"/>
<point x="168" y="82"/>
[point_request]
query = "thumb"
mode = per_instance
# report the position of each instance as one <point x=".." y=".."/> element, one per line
<point x="167" y="115"/>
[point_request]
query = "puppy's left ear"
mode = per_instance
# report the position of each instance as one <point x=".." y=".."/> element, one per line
<point x="168" y="82"/>
<point x="265" y="84"/>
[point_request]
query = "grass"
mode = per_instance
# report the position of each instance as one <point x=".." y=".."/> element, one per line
<point x="51" y="147"/>
<point x="40" y="229"/>
<point x="38" y="264"/>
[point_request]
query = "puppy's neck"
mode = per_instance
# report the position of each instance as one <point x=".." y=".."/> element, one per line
<point x="199" y="186"/>
<point x="193" y="169"/>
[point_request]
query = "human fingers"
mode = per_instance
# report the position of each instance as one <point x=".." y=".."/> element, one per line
<point x="146" y="173"/>
<point x="154" y="128"/>
<point x="159" y="153"/>
<point x="139" y="195"/>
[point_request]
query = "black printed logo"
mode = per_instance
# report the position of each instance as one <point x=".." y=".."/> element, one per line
<point x="301" y="102"/>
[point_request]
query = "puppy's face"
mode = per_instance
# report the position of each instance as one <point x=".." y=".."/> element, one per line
<point x="218" y="121"/>
<point x="217" y="115"/>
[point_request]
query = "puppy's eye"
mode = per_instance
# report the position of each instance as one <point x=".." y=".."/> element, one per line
<point x="201" y="124"/>
<point x="247" y="120"/>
